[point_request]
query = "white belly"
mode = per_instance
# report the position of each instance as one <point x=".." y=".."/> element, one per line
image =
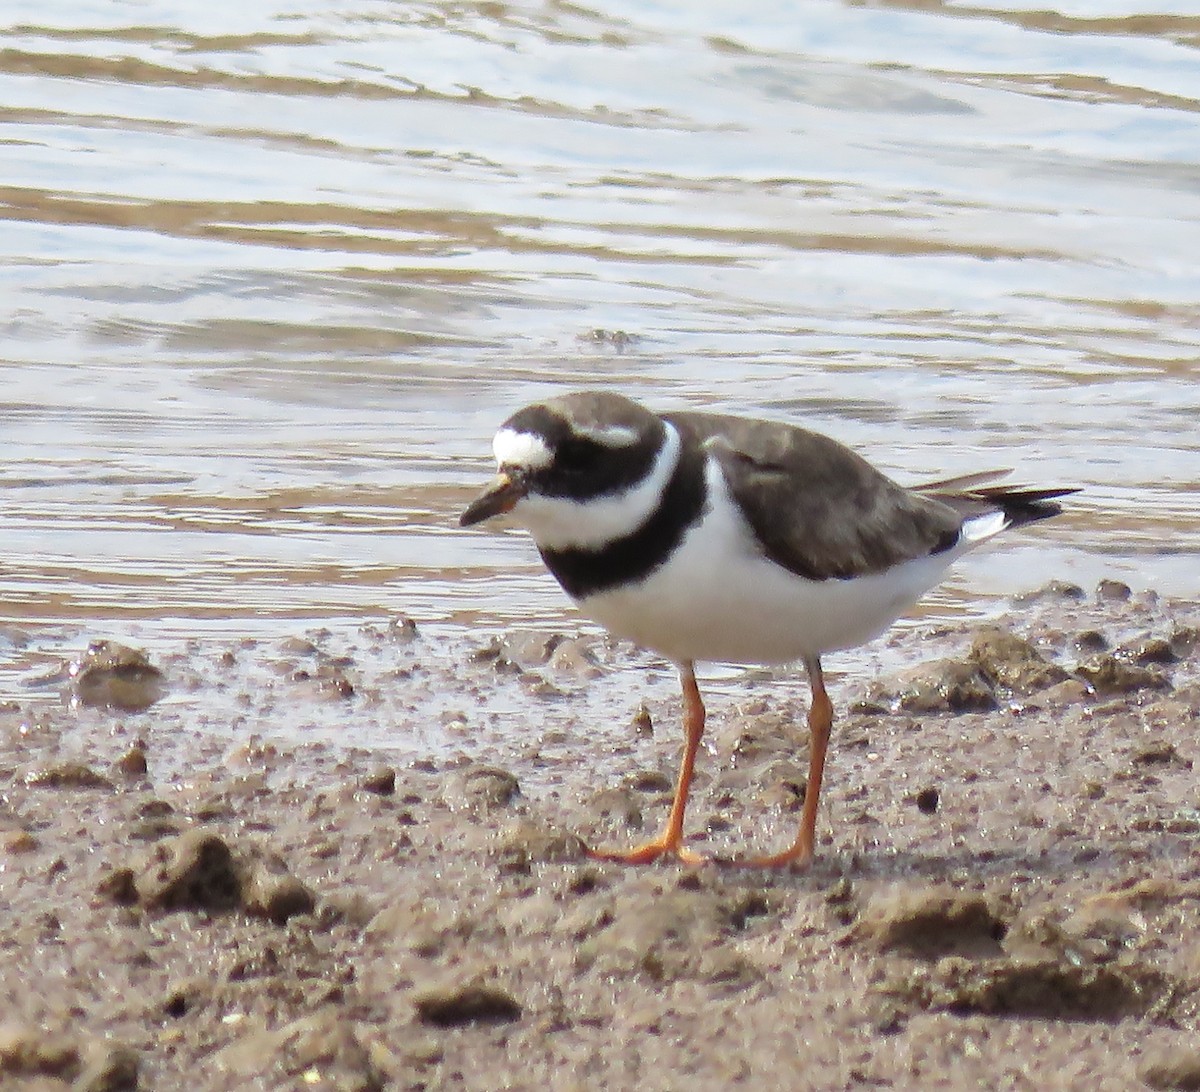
<point x="716" y="598"/>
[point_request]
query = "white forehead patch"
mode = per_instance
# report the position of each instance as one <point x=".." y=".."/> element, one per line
<point x="526" y="449"/>
<point x="608" y="435"/>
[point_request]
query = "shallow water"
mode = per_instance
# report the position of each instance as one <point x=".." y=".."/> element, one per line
<point x="273" y="273"/>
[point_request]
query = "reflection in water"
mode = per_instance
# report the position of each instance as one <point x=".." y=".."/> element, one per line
<point x="272" y="277"/>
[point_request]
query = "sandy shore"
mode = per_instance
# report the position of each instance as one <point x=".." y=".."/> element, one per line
<point x="1007" y="895"/>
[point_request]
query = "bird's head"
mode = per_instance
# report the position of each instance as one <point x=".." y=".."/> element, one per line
<point x="579" y="470"/>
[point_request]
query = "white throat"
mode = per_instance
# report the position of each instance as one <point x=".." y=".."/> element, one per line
<point x="560" y="523"/>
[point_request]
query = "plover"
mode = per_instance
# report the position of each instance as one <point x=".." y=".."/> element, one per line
<point x="728" y="539"/>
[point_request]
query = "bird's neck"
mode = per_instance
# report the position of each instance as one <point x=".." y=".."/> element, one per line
<point x="679" y="500"/>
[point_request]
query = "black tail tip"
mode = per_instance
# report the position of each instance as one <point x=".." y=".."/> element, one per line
<point x="1030" y="505"/>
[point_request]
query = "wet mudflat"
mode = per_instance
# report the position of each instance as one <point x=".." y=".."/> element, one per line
<point x="1007" y="894"/>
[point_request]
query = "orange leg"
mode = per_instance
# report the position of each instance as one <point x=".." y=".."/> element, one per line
<point x="820" y="723"/>
<point x="671" y="838"/>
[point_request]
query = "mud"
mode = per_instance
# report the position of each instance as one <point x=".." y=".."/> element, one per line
<point x="209" y="895"/>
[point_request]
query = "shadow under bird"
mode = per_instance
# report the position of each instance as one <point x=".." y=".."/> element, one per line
<point x="731" y="539"/>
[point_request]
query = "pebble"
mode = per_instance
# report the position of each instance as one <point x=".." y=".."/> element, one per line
<point x="112" y="1068"/>
<point x="19" y="841"/>
<point x="132" y="765"/>
<point x="110" y="675"/>
<point x="620" y="804"/>
<point x="756" y="737"/>
<point x="1091" y="640"/>
<point x="67" y="775"/>
<point x="1113" y="591"/>
<point x="574" y="657"/>
<point x="198" y="870"/>
<point x="1108" y="675"/>
<point x="192" y="871"/>
<point x="1012" y="662"/>
<point x="329" y="682"/>
<point x="32" y="1052"/>
<point x="649" y="781"/>
<point x="1068" y="692"/>
<point x="1030" y="989"/>
<point x="28" y="1053"/>
<point x="408" y="923"/>
<point x="478" y="787"/>
<point x="780" y="784"/>
<point x="14" y="637"/>
<point x="1149" y="650"/>
<point x="1184" y="641"/>
<point x="1160" y="753"/>
<point x="455" y="1005"/>
<point x="1168" y="712"/>
<point x="528" y="649"/>
<point x="668" y="935"/>
<point x="324" y="1050"/>
<point x="381" y="781"/>
<point x="932" y="922"/>
<point x="1055" y="589"/>
<point x="525" y="843"/>
<point x="402" y="630"/>
<point x="269" y="890"/>
<point x="945" y="686"/>
<point x="1174" y="1068"/>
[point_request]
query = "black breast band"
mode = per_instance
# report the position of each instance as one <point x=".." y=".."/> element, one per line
<point x="634" y="557"/>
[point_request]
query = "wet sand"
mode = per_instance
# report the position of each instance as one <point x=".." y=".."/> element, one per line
<point x="1007" y="893"/>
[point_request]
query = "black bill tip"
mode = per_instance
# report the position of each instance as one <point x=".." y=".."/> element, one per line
<point x="500" y="496"/>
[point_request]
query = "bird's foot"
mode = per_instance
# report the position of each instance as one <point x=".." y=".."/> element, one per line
<point x="650" y="851"/>
<point x="797" y="858"/>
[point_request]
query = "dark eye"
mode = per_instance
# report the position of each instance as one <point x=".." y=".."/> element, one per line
<point x="575" y="455"/>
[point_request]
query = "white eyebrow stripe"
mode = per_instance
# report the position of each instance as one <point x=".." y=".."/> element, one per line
<point x="525" y="449"/>
<point x="609" y="435"/>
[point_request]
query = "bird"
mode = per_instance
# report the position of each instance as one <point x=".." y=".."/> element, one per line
<point x="707" y="537"/>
